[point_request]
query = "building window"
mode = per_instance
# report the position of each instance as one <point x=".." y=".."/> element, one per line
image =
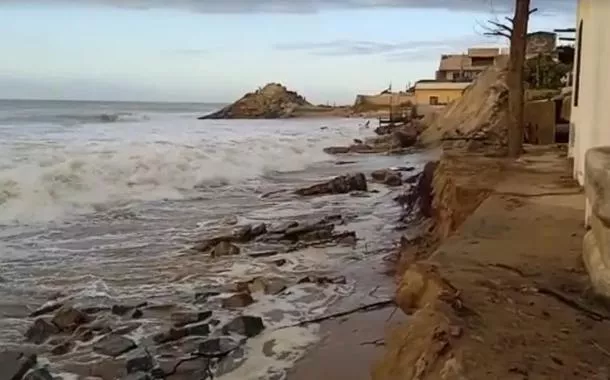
<point x="434" y="100"/>
<point x="578" y="63"/>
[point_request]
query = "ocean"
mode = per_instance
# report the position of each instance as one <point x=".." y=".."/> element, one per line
<point x="100" y="203"/>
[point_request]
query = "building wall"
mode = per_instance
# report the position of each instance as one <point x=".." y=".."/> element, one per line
<point x="590" y="117"/>
<point x="383" y="100"/>
<point x="445" y="96"/>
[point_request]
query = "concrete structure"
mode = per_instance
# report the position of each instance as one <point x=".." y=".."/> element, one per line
<point x="438" y="92"/>
<point x="540" y="122"/>
<point x="590" y="117"/>
<point x="466" y="67"/>
<point x="540" y="43"/>
<point x="383" y="100"/>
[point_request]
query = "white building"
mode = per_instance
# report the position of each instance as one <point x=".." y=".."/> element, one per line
<point x="590" y="118"/>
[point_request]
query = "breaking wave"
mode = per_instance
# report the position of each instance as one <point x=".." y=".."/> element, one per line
<point x="50" y="182"/>
<point x="71" y="119"/>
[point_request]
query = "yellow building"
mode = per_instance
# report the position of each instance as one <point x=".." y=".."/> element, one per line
<point x="438" y="92"/>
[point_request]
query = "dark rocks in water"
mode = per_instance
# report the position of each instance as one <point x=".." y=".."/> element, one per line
<point x="208" y="244"/>
<point x="405" y="138"/>
<point x="320" y="234"/>
<point x="137" y="313"/>
<point x="258" y="230"/>
<point x="38" y="374"/>
<point x="323" y="280"/>
<point x="14" y="365"/>
<point x="217" y="347"/>
<point x="359" y="194"/>
<point x="46" y="309"/>
<point x="341" y="162"/>
<point x="183" y="318"/>
<point x="141" y="376"/>
<point x="202" y="297"/>
<point x="338" y="185"/>
<point x="95" y="309"/>
<point x="242" y="234"/>
<point x="336" y="150"/>
<point x="280" y="229"/>
<point x="121" y="309"/>
<point x="385" y="129"/>
<point x="295" y="233"/>
<point x="225" y="248"/>
<point x="257" y="255"/>
<point x="348" y="238"/>
<point x="380" y="175"/>
<point x="237" y="300"/>
<point x="62" y="348"/>
<point x="358" y="141"/>
<point x="83" y="334"/>
<point x="113" y="345"/>
<point x="69" y="318"/>
<point x="271" y="286"/>
<point x="279" y="262"/>
<point x="393" y="179"/>
<point x="388" y="177"/>
<point x="40" y="331"/>
<point x="171" y="335"/>
<point x="273" y="101"/>
<point x="245" y="325"/>
<point x="198" y="329"/>
<point x="139" y="360"/>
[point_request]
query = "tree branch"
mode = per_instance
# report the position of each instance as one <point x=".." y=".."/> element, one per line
<point x="533" y="10"/>
<point x="501" y="26"/>
<point x="497" y="34"/>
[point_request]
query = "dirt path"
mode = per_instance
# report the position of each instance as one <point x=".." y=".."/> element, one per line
<point x="506" y="296"/>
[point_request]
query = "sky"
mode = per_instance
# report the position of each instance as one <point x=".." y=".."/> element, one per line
<point x="217" y="50"/>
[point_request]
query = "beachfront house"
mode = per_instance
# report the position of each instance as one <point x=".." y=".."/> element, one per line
<point x="590" y="118"/>
<point x="437" y="93"/>
<point x="466" y="67"/>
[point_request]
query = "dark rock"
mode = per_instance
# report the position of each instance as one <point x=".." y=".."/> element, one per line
<point x="139" y="360"/>
<point x="225" y="248"/>
<point x="94" y="309"/>
<point x="336" y="150"/>
<point x="338" y="185"/>
<point x="183" y="318"/>
<point x="279" y="262"/>
<point x="405" y="138"/>
<point x="245" y="325"/>
<point x="15" y="364"/>
<point x="198" y="329"/>
<point x="69" y="318"/>
<point x="217" y="347"/>
<point x="237" y="301"/>
<point x="38" y="374"/>
<point x="342" y="162"/>
<point x="230" y="220"/>
<point x="258" y="230"/>
<point x="297" y="233"/>
<point x="158" y="373"/>
<point x="208" y="244"/>
<point x="40" y="331"/>
<point x="358" y="141"/>
<point x="280" y="229"/>
<point x="113" y="345"/>
<point x="385" y="129"/>
<point x="256" y="255"/>
<point x="359" y="194"/>
<point x="46" y="309"/>
<point x="347" y="238"/>
<point x="137" y="313"/>
<point x="231" y="362"/>
<point x="171" y="335"/>
<point x="121" y="309"/>
<point x="380" y="175"/>
<point x="393" y="179"/>
<point x="404" y="168"/>
<point x="202" y="297"/>
<point x="62" y="348"/>
<point x="242" y="234"/>
<point x="361" y="148"/>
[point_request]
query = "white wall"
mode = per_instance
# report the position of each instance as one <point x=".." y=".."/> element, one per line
<point x="591" y="118"/>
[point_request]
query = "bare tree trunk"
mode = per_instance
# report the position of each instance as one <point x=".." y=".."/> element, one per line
<point x="515" y="78"/>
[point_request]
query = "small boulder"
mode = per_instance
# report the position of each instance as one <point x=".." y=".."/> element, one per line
<point x="393" y="179"/>
<point x="336" y="150"/>
<point x="281" y="228"/>
<point x="38" y="374"/>
<point x="237" y="300"/>
<point x="183" y="318"/>
<point x="198" y="329"/>
<point x="217" y="347"/>
<point x="171" y="335"/>
<point x="46" y="309"/>
<point x="230" y="220"/>
<point x="121" y="310"/>
<point x="279" y="262"/>
<point x="137" y="313"/>
<point x="40" y="331"/>
<point x="242" y="234"/>
<point x="142" y="376"/>
<point x="139" y="360"/>
<point x="258" y="230"/>
<point x="15" y="365"/>
<point x="245" y="325"/>
<point x="225" y="248"/>
<point x="113" y="345"/>
<point x="405" y="138"/>
<point x="69" y="318"/>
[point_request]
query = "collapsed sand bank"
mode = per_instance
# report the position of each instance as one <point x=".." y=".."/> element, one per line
<point x="501" y="294"/>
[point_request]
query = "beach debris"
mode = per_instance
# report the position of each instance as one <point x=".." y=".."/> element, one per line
<point x="338" y="185"/>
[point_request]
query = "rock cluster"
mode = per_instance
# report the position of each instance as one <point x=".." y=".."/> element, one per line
<point x="273" y="101"/>
<point x="395" y="142"/>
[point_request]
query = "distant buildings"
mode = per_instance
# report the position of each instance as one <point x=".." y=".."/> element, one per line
<point x="466" y="67"/>
<point x="437" y="93"/>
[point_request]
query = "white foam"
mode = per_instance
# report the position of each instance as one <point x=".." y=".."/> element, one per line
<point x="56" y="174"/>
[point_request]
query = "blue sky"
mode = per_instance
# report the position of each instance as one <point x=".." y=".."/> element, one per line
<point x="188" y="50"/>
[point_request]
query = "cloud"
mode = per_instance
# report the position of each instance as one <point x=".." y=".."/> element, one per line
<point x="414" y="50"/>
<point x="310" y="6"/>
